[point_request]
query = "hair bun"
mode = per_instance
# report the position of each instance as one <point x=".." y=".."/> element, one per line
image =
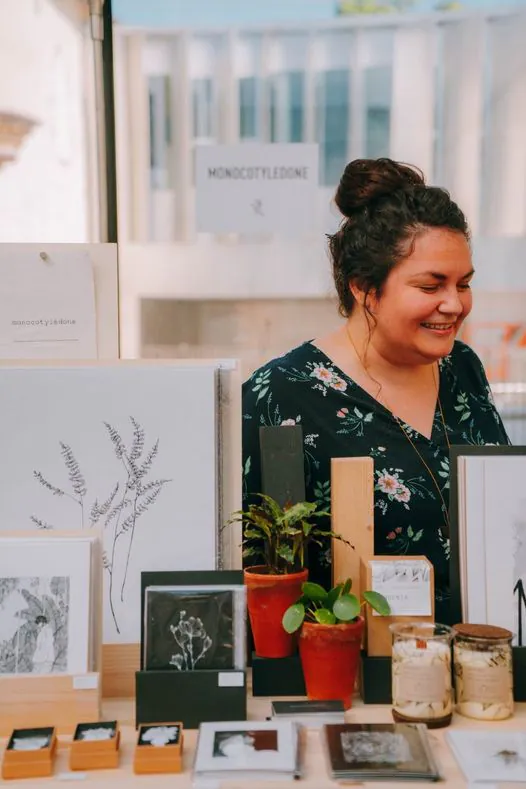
<point x="365" y="180"/>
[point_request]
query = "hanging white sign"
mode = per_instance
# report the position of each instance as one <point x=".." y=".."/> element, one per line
<point x="257" y="188"/>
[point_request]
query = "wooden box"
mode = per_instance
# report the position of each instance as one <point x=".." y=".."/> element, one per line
<point x="378" y="637"/>
<point x="95" y="746"/>
<point x="30" y="753"/>
<point x="159" y="748"/>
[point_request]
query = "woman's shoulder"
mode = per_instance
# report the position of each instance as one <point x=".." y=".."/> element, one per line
<point x="291" y="360"/>
<point x="464" y="363"/>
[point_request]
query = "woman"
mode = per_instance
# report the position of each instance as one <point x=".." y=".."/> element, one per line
<point x="392" y="382"/>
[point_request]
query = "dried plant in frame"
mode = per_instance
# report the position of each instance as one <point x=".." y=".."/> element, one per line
<point x="130" y="497"/>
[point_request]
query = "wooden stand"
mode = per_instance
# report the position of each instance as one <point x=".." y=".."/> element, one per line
<point x="31" y="763"/>
<point x="352" y="507"/>
<point x="95" y="754"/>
<point x="59" y="700"/>
<point x="150" y="758"/>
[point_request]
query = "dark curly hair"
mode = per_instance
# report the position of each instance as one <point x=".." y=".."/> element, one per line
<point x="387" y="204"/>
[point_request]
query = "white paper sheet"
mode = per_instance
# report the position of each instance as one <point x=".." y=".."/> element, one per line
<point x="47" y="304"/>
<point x="406" y="584"/>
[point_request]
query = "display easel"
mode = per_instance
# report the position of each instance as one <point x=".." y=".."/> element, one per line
<point x="59" y="700"/>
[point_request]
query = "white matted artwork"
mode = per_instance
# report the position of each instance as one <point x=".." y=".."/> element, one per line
<point x="129" y="448"/>
<point x="45" y="606"/>
<point x="492" y="538"/>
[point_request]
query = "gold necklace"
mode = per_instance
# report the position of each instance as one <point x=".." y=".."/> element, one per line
<point x="445" y="532"/>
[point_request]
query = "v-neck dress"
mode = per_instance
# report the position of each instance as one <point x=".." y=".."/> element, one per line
<point x="340" y="419"/>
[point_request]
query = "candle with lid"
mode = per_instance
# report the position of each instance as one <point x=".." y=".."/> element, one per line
<point x="421" y="673"/>
<point x="482" y="659"/>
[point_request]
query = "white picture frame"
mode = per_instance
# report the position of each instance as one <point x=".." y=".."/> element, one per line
<point x="52" y="580"/>
<point x="488" y="539"/>
<point x="74" y="431"/>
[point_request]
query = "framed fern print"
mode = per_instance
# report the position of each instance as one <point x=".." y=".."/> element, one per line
<point x="130" y="448"/>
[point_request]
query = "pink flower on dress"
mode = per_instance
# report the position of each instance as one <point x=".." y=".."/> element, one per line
<point x="403" y="494"/>
<point x="388" y="483"/>
<point x="322" y="374"/>
<point x="391" y="535"/>
<point x="342" y="412"/>
<point x="338" y="384"/>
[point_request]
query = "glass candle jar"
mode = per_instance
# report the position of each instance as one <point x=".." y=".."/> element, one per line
<point x="483" y="668"/>
<point x="421" y="673"/>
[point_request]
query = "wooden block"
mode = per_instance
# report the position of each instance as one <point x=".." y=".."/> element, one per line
<point x="29" y="762"/>
<point x="152" y="755"/>
<point x="378" y="638"/>
<point x="119" y="664"/>
<point x="95" y="754"/>
<point x="40" y="699"/>
<point x="352" y="509"/>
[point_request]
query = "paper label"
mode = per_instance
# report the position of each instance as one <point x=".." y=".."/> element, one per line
<point x="230" y="679"/>
<point x="486" y="685"/>
<point x="406" y="584"/>
<point x="47" y="304"/>
<point x="86" y="682"/>
<point x="425" y="684"/>
<point x="243" y="188"/>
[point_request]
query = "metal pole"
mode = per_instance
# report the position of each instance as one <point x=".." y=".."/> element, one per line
<point x="97" y="36"/>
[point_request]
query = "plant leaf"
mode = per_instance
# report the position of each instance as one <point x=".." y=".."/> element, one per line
<point x="286" y="552"/>
<point x="293" y="617"/>
<point x="347" y="586"/>
<point x="298" y="511"/>
<point x="346" y="607"/>
<point x="378" y="602"/>
<point x="314" y="591"/>
<point x="333" y="595"/>
<point x="324" y="617"/>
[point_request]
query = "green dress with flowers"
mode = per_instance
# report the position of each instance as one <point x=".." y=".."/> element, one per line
<point x="340" y="419"/>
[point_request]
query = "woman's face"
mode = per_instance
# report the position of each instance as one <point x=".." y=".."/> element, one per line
<point x="425" y="299"/>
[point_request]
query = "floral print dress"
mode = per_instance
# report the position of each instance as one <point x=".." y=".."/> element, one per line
<point x="340" y="419"/>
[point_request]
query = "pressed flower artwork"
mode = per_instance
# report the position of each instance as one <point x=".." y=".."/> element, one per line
<point x="129" y="449"/>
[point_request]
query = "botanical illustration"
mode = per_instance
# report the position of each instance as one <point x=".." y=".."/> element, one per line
<point x="244" y="744"/>
<point x="127" y="499"/>
<point x="189" y="630"/>
<point x="159" y="736"/>
<point x="382" y="747"/>
<point x="34" y="620"/>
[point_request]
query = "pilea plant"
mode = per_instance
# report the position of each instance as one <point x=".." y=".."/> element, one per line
<point x="279" y="536"/>
<point x="336" y="606"/>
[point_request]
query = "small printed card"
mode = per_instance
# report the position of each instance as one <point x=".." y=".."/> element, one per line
<point x="406" y="583"/>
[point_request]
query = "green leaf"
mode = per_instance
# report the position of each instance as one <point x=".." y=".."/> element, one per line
<point x="248" y="552"/>
<point x="410" y="531"/>
<point x="253" y="534"/>
<point x="248" y="463"/>
<point x="293" y="617"/>
<point x="324" y="617"/>
<point x="347" y="586"/>
<point x="346" y="607"/>
<point x="465" y="416"/>
<point x="418" y="535"/>
<point x="378" y="602"/>
<point x="314" y="592"/>
<point x="333" y="595"/>
<point x="298" y="511"/>
<point x="286" y="552"/>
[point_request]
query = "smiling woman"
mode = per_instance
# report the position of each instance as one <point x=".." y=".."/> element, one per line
<point x="392" y="382"/>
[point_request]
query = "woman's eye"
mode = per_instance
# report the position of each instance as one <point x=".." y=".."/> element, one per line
<point x="464" y="286"/>
<point x="429" y="288"/>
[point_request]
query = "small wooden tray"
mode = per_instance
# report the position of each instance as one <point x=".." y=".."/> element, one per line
<point x="154" y="753"/>
<point x="32" y="760"/>
<point x="89" y="752"/>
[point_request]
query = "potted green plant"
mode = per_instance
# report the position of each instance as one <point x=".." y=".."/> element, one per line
<point x="331" y="630"/>
<point x="279" y="537"/>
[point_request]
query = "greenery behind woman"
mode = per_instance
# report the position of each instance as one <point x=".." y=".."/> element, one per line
<point x="402" y="267"/>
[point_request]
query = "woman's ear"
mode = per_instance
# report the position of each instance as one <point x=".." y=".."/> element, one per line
<point x="366" y="300"/>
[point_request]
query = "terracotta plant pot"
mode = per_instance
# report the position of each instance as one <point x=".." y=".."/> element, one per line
<point x="268" y="597"/>
<point x="330" y="656"/>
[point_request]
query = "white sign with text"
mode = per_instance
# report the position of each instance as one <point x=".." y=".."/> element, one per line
<point x="406" y="583"/>
<point x="47" y="303"/>
<point x="257" y="188"/>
